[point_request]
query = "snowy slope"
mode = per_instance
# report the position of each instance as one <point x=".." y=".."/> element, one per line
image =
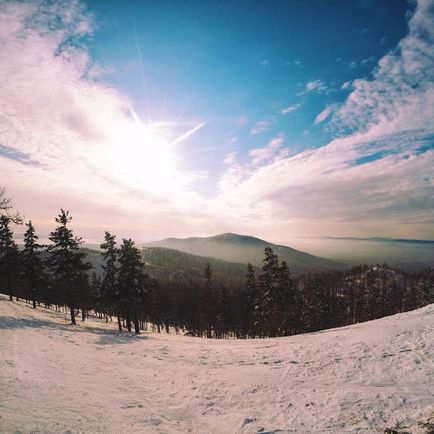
<point x="364" y="378"/>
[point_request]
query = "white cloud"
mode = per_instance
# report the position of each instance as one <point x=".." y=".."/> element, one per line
<point x="376" y="179"/>
<point x="230" y="158"/>
<point x="260" y="155"/>
<point x="261" y="126"/>
<point x="400" y="92"/>
<point x="315" y="85"/>
<point x="290" y="108"/>
<point x="78" y="137"/>
<point x="62" y="124"/>
<point x="321" y="117"/>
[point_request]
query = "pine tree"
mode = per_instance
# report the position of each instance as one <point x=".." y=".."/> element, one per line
<point x="9" y="257"/>
<point x="67" y="263"/>
<point x="33" y="267"/>
<point x="109" y="285"/>
<point x="285" y="311"/>
<point x="268" y="286"/>
<point x="133" y="282"/>
<point x="250" y="298"/>
<point x="208" y="302"/>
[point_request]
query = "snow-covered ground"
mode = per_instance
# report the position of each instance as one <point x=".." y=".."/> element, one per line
<point x="55" y="378"/>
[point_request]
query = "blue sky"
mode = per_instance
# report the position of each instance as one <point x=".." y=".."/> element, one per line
<point x="234" y="64"/>
<point x="282" y="119"/>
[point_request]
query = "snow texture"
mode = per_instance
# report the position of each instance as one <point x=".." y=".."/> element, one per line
<point x="55" y="378"/>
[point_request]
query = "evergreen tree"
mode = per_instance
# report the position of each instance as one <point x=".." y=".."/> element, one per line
<point x="285" y="311"/>
<point x="268" y="287"/>
<point x="133" y="283"/>
<point x="9" y="258"/>
<point x="33" y="267"/>
<point x="208" y="303"/>
<point x="250" y="298"/>
<point x="67" y="263"/>
<point x="109" y="285"/>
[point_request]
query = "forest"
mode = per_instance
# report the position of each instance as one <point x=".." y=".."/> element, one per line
<point x="265" y="302"/>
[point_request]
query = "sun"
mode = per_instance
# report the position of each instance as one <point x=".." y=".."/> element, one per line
<point x="140" y="154"/>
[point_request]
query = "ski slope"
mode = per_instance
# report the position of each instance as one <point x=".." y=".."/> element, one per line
<point x="55" y="378"/>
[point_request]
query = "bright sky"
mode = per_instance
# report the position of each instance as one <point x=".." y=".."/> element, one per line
<point x="178" y="118"/>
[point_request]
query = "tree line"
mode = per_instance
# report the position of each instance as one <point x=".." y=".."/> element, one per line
<point x="271" y="303"/>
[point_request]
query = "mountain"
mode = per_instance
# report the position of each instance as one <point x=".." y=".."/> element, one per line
<point x="242" y="249"/>
<point x="174" y="265"/>
<point x="168" y="265"/>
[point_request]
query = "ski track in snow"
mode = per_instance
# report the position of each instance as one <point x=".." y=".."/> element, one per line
<point x="55" y="378"/>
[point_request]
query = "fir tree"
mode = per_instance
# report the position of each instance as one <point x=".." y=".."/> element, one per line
<point x="208" y="302"/>
<point x="9" y="257"/>
<point x="133" y="283"/>
<point x="67" y="263"/>
<point x="268" y="287"/>
<point x="109" y="285"/>
<point x="249" y="308"/>
<point x="33" y="267"/>
<point x="285" y="311"/>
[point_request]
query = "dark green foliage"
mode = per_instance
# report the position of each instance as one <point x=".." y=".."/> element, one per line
<point x="133" y="283"/>
<point x="108" y="287"/>
<point x="172" y="266"/>
<point x="9" y="258"/>
<point x="33" y="269"/>
<point x="67" y="265"/>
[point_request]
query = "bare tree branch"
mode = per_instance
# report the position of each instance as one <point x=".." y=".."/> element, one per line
<point x="6" y="208"/>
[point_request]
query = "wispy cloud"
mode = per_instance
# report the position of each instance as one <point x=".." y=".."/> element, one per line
<point x="377" y="177"/>
<point x="290" y="108"/>
<point x="259" y="155"/>
<point x="261" y="126"/>
<point x="317" y="86"/>
<point x="61" y="122"/>
<point x="230" y="158"/>
<point x="321" y="117"/>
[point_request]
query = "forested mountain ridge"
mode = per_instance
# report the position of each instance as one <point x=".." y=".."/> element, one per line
<point x="247" y="249"/>
<point x="116" y="282"/>
<point x="169" y="265"/>
<point x="175" y="265"/>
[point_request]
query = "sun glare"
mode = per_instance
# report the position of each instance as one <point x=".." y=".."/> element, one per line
<point x="140" y="155"/>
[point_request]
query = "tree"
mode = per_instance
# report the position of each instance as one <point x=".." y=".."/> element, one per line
<point x="207" y="302"/>
<point x="66" y="262"/>
<point x="249" y="304"/>
<point x="268" y="286"/>
<point x="33" y="267"/>
<point x="9" y="256"/>
<point x="109" y="283"/>
<point x="285" y="310"/>
<point x="6" y="208"/>
<point x="133" y="282"/>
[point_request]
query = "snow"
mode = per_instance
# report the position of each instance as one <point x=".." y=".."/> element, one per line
<point x="55" y="378"/>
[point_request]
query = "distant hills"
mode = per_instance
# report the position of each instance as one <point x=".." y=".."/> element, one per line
<point x="242" y="249"/>
<point x="170" y="265"/>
